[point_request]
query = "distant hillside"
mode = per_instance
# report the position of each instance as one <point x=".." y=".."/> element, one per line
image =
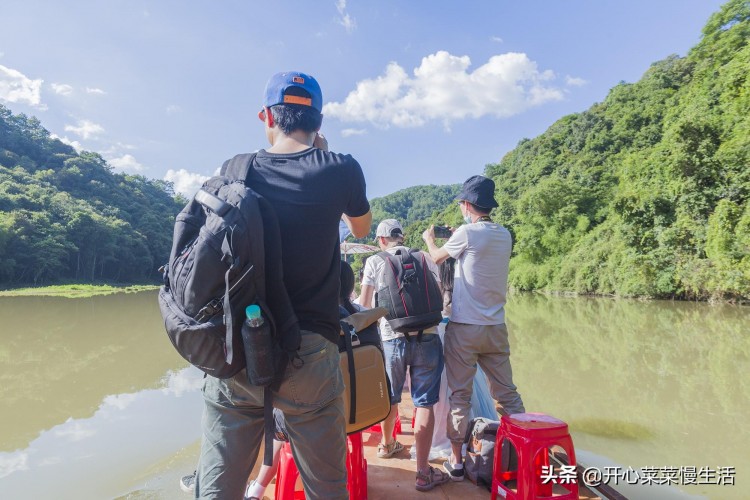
<point x="411" y="204"/>
<point x="646" y="193"/>
<point x="66" y="216"/>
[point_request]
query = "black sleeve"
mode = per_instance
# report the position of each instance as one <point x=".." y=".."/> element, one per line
<point x="358" y="204"/>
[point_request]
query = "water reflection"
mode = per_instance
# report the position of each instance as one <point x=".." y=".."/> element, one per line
<point x="88" y="412"/>
<point x="98" y="457"/>
<point x="60" y="357"/>
<point x="643" y="383"/>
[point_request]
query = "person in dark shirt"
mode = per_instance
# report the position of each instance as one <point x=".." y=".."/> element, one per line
<point x="311" y="190"/>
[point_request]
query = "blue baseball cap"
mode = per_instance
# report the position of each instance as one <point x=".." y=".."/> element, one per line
<point x="279" y="83"/>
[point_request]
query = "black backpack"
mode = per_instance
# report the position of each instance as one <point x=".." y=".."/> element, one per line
<point x="410" y="292"/>
<point x="218" y="266"/>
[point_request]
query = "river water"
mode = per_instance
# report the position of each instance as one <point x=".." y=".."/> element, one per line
<point x="96" y="404"/>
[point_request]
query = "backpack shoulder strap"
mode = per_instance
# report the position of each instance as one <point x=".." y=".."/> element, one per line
<point x="416" y="253"/>
<point x="239" y="167"/>
<point x="384" y="255"/>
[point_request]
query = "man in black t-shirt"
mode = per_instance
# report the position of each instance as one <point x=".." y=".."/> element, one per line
<point x="311" y="189"/>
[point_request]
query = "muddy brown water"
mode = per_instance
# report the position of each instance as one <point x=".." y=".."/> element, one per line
<point x="96" y="404"/>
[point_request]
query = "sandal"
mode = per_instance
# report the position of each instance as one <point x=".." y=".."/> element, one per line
<point x="388" y="450"/>
<point x="433" y="478"/>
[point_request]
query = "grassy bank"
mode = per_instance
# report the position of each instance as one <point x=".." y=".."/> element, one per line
<point x="75" y="291"/>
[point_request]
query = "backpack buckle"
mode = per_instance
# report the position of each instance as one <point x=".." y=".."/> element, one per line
<point x="209" y="310"/>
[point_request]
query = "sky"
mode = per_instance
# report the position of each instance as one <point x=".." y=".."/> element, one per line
<point x="418" y="92"/>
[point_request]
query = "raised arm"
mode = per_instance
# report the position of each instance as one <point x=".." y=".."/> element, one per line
<point x="359" y="226"/>
<point x="438" y="254"/>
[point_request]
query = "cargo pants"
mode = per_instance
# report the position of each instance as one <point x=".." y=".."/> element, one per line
<point x="310" y="398"/>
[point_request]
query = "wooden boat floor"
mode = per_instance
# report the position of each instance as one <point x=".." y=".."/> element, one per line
<point x="394" y="478"/>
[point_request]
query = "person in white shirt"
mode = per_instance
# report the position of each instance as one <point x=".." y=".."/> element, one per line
<point x="421" y="354"/>
<point x="476" y="333"/>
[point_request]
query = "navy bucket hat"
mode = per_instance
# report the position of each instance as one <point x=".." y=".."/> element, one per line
<point x="480" y="191"/>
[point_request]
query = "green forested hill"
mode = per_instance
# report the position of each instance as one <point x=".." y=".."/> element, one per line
<point x="66" y="216"/>
<point x="412" y="204"/>
<point x="646" y="193"/>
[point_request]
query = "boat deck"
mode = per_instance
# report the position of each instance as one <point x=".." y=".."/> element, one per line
<point x="395" y="477"/>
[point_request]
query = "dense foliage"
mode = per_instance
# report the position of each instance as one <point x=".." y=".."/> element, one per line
<point x="412" y="204"/>
<point x="648" y="192"/>
<point x="66" y="216"/>
<point x="644" y="194"/>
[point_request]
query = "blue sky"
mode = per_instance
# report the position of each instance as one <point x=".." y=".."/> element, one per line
<point x="418" y="92"/>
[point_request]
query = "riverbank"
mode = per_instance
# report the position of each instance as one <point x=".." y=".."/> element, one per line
<point x="711" y="300"/>
<point x="74" y="291"/>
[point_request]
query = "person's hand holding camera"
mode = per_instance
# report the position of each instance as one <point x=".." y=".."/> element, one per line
<point x="320" y="142"/>
<point x="433" y="232"/>
<point x="442" y="232"/>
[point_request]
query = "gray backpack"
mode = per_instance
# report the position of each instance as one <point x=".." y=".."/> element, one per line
<point x="480" y="450"/>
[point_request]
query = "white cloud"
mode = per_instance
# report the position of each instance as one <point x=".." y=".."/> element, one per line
<point x="75" y="144"/>
<point x="185" y="381"/>
<point x="173" y="108"/>
<point x="13" y="462"/>
<point x="120" y="401"/>
<point x="126" y="163"/>
<point x="85" y="129"/>
<point x="185" y="182"/>
<point x="442" y="89"/>
<point x="574" y="81"/>
<point x="347" y="132"/>
<point x="17" y="87"/>
<point x="347" y="21"/>
<point x="62" y="88"/>
<point x="115" y="148"/>
<point x="94" y="90"/>
<point x="496" y="39"/>
<point x="75" y="430"/>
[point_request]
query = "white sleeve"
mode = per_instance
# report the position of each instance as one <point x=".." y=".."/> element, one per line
<point x="369" y="275"/>
<point x="457" y="243"/>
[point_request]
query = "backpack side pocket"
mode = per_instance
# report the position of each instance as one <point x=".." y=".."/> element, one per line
<point x="201" y="344"/>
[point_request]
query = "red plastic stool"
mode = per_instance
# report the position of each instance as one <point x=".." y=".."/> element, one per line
<point x="286" y="476"/>
<point x="356" y="465"/>
<point x="379" y="428"/>
<point x="532" y="435"/>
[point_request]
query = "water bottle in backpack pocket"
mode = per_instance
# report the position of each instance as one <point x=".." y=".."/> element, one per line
<point x="258" y="343"/>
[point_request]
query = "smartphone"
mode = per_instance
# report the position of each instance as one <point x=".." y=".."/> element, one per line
<point x="442" y="232"/>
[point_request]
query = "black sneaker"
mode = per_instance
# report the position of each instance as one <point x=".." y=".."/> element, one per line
<point x="455" y="473"/>
<point x="187" y="483"/>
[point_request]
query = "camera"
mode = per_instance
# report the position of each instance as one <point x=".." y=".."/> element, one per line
<point x="442" y="232"/>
